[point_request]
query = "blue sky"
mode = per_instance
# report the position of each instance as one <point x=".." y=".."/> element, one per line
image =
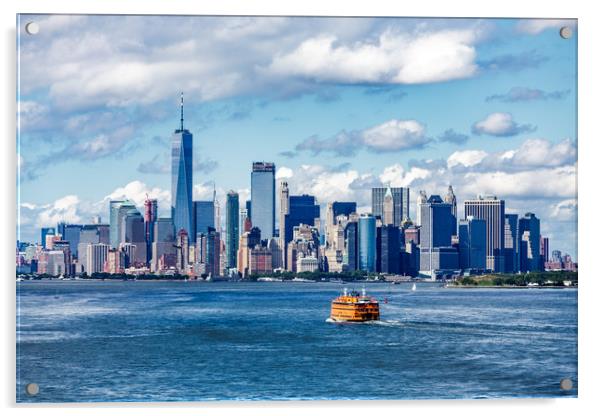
<point x="340" y="105"/>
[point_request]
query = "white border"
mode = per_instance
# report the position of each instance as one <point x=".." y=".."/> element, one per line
<point x="590" y="71"/>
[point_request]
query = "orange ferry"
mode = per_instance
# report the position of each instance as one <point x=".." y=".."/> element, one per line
<point x="354" y="307"/>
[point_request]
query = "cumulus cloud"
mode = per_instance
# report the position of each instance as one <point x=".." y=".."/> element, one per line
<point x="524" y="94"/>
<point x="467" y="158"/>
<point x="565" y="210"/>
<point x="391" y="136"/>
<point x="63" y="209"/>
<point x="393" y="58"/>
<point x="501" y="125"/>
<point x="536" y="26"/>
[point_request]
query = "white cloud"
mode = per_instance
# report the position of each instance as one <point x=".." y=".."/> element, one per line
<point x="396" y="175"/>
<point x="536" y="26"/>
<point x="63" y="209"/>
<point x="395" y="58"/>
<point x="283" y="172"/>
<point x="137" y="192"/>
<point x="565" y="210"/>
<point x="500" y="124"/>
<point x="466" y="158"/>
<point x="541" y="152"/>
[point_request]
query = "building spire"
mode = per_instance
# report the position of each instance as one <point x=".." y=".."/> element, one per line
<point x="182" y="111"/>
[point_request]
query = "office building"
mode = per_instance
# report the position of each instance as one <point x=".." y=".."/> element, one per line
<point x="133" y="232"/>
<point x="181" y="176"/>
<point x="150" y="217"/>
<point x="528" y="231"/>
<point x="263" y="198"/>
<point x="367" y="243"/>
<point x="492" y="210"/>
<point x="232" y="224"/>
<point x="45" y="232"/>
<point x="204" y="216"/>
<point x="472" y="238"/>
<point x="437" y="228"/>
<point x="388" y="249"/>
<point x="96" y="256"/>
<point x="302" y="209"/>
<point x="400" y="200"/>
<point x="511" y="243"/>
<point x="163" y="245"/>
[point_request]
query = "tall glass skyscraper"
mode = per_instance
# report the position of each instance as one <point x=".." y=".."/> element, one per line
<point x="302" y="209"/>
<point x="367" y="243"/>
<point x="492" y="210"/>
<point x="263" y="198"/>
<point x="203" y="217"/>
<point x="181" y="176"/>
<point x="118" y="209"/>
<point x="401" y="203"/>
<point x="232" y="207"/>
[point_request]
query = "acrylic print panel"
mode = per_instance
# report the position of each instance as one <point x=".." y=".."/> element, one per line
<point x="293" y="208"/>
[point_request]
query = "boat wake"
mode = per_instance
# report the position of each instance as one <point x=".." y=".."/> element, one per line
<point x="389" y="323"/>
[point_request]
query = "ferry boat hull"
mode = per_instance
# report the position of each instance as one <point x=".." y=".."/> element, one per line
<point x="354" y="308"/>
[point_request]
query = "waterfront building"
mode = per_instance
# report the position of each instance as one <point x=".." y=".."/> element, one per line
<point x="52" y="262"/>
<point x="45" y="231"/>
<point x="150" y="217"/>
<point x="367" y="243"/>
<point x="351" y="250"/>
<point x="544" y="250"/>
<point x="400" y="200"/>
<point x="511" y="243"/>
<point x="302" y="209"/>
<point x="276" y="250"/>
<point x="437" y="228"/>
<point x="472" y="241"/>
<point x="96" y="256"/>
<point x="132" y="231"/>
<point x="204" y="216"/>
<point x="213" y="250"/>
<point x="305" y="241"/>
<point x="163" y="244"/>
<point x="307" y="263"/>
<point x="129" y="254"/>
<point x="528" y="230"/>
<point x="117" y="210"/>
<point x="181" y="176"/>
<point x="70" y="233"/>
<point x="388" y="249"/>
<point x="260" y="260"/>
<point x="284" y="210"/>
<point x="182" y="251"/>
<point x="242" y="217"/>
<point x="263" y="197"/>
<point x="492" y="210"/>
<point x="90" y="234"/>
<point x="115" y="261"/>
<point x="232" y="233"/>
<point x="62" y="245"/>
<point x="248" y="240"/>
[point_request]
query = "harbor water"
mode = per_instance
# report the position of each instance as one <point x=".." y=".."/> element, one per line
<point x="83" y="341"/>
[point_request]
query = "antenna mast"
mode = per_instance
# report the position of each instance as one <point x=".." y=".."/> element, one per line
<point x="182" y="111"/>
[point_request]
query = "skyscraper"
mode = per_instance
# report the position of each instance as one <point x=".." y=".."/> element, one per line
<point x="528" y="231"/>
<point x="492" y="210"/>
<point x="150" y="216"/>
<point x="71" y="234"/>
<point x="132" y="231"/>
<point x="388" y="210"/>
<point x="472" y="237"/>
<point x="351" y="246"/>
<point x="46" y="231"/>
<point x="204" y="216"/>
<point x="367" y="243"/>
<point x="118" y="209"/>
<point x="242" y="217"/>
<point x="419" y="201"/>
<point x="438" y="226"/>
<point x="263" y="197"/>
<point x="389" y="248"/>
<point x="511" y="243"/>
<point x="450" y="198"/>
<point x="284" y="210"/>
<point x="181" y="176"/>
<point x="232" y="207"/>
<point x="96" y="255"/>
<point x="401" y="203"/>
<point x="163" y="244"/>
<point x="302" y="209"/>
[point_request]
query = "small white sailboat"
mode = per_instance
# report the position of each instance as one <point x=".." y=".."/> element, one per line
<point x="414" y="287"/>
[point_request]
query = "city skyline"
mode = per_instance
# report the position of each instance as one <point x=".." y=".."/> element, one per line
<point x="334" y="135"/>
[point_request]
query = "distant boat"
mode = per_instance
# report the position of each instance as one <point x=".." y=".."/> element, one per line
<point x="300" y="279"/>
<point x="414" y="287"/>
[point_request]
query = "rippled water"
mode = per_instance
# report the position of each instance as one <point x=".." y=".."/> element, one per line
<point x="178" y="341"/>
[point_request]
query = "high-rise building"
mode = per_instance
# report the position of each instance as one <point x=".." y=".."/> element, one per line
<point x="401" y="203"/>
<point x="129" y="254"/>
<point x="204" y="216"/>
<point x="118" y="209"/>
<point x="163" y="245"/>
<point x="472" y="239"/>
<point x="389" y="249"/>
<point x="181" y="176"/>
<point x="284" y="210"/>
<point x="242" y="217"/>
<point x="96" y="256"/>
<point x="528" y="231"/>
<point x="450" y="198"/>
<point x="232" y="207"/>
<point x="62" y="245"/>
<point x="492" y="210"/>
<point x="437" y="228"/>
<point x="544" y="251"/>
<point x="367" y="243"/>
<point x="387" y="217"/>
<point x="351" y="246"/>
<point x="46" y="231"/>
<point x="182" y="251"/>
<point x="511" y="243"/>
<point x="248" y="240"/>
<point x="115" y="261"/>
<point x="132" y="231"/>
<point x="150" y="217"/>
<point x="71" y="234"/>
<point x="263" y="197"/>
<point x="302" y="209"/>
